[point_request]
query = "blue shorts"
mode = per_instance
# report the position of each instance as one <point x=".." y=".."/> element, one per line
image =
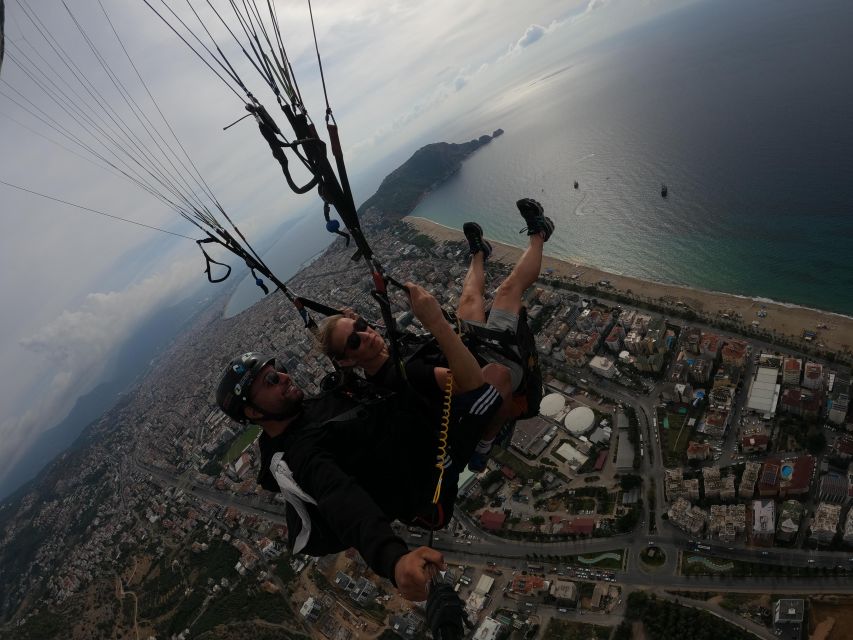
<point x="470" y="413"/>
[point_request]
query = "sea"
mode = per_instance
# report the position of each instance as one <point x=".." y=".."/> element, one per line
<point x="300" y="241"/>
<point x="743" y="109"/>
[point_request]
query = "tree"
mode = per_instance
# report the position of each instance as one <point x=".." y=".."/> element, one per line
<point x="816" y="442"/>
<point x="630" y="481"/>
<point x="628" y="520"/>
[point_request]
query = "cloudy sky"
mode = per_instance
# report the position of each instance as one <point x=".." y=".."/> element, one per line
<point x="76" y="285"/>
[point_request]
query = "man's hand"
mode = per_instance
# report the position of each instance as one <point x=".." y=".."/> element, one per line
<point x="424" y="306"/>
<point x="414" y="570"/>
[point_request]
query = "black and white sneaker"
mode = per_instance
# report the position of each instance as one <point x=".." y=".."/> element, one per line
<point x="534" y="216"/>
<point x="474" y="234"/>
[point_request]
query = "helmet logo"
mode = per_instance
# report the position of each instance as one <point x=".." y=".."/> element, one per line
<point x="238" y="368"/>
<point x="237" y="389"/>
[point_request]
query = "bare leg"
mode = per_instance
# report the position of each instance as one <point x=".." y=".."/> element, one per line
<point x="472" y="306"/>
<point x="524" y="274"/>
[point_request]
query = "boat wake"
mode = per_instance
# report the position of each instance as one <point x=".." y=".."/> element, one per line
<point x="579" y="207"/>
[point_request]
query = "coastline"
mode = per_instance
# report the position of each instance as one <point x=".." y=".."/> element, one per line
<point x="784" y="318"/>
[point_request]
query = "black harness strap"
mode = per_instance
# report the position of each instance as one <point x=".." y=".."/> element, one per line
<point x="334" y="139"/>
<point x="499" y="341"/>
<point x="227" y="241"/>
<point x="319" y="307"/>
<point x="445" y="612"/>
<point x="271" y="132"/>
<point x="209" y="261"/>
<point x="332" y="193"/>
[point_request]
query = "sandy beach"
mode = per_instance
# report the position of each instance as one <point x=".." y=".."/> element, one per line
<point x="834" y="331"/>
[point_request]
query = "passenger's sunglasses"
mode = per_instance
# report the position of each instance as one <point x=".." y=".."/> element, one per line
<point x="354" y="339"/>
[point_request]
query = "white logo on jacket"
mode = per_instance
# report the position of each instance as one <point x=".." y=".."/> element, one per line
<point x="294" y="495"/>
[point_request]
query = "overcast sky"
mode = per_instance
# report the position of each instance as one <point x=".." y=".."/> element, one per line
<point x="75" y="286"/>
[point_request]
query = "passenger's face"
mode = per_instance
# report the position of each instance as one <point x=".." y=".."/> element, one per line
<point x="355" y="342"/>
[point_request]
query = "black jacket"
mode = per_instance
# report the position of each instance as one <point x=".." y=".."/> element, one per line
<point x="364" y="470"/>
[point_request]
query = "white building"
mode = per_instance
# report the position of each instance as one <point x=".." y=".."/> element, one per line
<point x="564" y="592"/>
<point x="763" y="521"/>
<point x="825" y="523"/>
<point x="788" y="618"/>
<point x="840" y="402"/>
<point x="764" y="391"/>
<point x="489" y="630"/>
<point x="572" y="456"/>
<point x="311" y="610"/>
<point x="484" y="584"/>
<point x="604" y="367"/>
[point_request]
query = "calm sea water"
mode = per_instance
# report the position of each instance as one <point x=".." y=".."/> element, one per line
<point x="298" y="243"/>
<point x="745" y="111"/>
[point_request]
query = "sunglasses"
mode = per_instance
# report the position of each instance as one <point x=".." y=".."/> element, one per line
<point x="354" y="339"/>
<point x="272" y="377"/>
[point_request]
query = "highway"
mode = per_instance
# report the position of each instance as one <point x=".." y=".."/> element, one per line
<point x="486" y="547"/>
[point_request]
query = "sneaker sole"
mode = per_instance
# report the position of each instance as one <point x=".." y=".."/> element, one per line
<point x="474" y="225"/>
<point x="487" y="248"/>
<point x="537" y="221"/>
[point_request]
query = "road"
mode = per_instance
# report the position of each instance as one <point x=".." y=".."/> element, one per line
<point x="488" y="547"/>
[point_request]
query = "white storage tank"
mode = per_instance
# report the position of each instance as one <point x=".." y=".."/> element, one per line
<point x="580" y="421"/>
<point x="552" y="404"/>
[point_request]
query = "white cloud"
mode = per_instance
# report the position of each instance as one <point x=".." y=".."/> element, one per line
<point x="74" y="348"/>
<point x="86" y="335"/>
<point x="533" y="34"/>
<point x="459" y="79"/>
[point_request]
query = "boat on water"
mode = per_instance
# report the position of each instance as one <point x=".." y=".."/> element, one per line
<point x="663" y="190"/>
<point x="576" y="184"/>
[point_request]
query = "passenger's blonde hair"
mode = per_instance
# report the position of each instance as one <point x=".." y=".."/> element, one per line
<point x="324" y="335"/>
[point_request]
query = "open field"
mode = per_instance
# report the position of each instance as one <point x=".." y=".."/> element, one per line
<point x="566" y="630"/>
<point x="830" y="617"/>
<point x="675" y="436"/>
<point x="240" y="442"/>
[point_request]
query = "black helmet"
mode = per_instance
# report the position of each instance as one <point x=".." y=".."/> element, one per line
<point x="232" y="395"/>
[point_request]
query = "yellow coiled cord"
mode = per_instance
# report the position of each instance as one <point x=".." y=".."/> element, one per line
<point x="443" y="434"/>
